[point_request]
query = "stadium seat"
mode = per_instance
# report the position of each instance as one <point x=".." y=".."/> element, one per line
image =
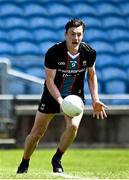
<point x="92" y="22"/>
<point x="124" y="6"/>
<point x="117" y="34"/>
<point x="17" y="34"/>
<point x="27" y="48"/>
<point x="43" y="34"/>
<point x="81" y="8"/>
<point x="34" y="8"/>
<point x="109" y="73"/>
<point x="38" y="21"/>
<point x="55" y="9"/>
<point x="11" y="8"/>
<point x="6" y="48"/>
<point x="113" y="22"/>
<point x="108" y="60"/>
<point x="37" y="71"/>
<point x="61" y="34"/>
<point x="59" y="22"/>
<point x="33" y="62"/>
<point x="87" y="91"/>
<point x="107" y="8"/>
<point x="121" y="46"/>
<point x="102" y="47"/>
<point x="115" y="86"/>
<point x="4" y="35"/>
<point x="93" y="34"/>
<point x="114" y="80"/>
<point x="15" y="22"/>
<point x="125" y="60"/>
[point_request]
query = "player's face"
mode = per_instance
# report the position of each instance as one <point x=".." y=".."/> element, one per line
<point x="74" y="37"/>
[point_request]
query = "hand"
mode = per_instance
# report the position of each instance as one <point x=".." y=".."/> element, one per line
<point x="99" y="110"/>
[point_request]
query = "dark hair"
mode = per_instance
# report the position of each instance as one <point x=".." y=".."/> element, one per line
<point x="74" y="23"/>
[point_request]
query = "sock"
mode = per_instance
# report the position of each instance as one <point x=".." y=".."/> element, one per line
<point x="25" y="161"/>
<point x="58" y="154"/>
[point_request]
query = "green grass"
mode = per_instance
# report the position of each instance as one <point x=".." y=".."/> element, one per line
<point x="77" y="163"/>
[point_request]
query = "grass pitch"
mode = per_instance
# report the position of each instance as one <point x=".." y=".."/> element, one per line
<point x="77" y="163"/>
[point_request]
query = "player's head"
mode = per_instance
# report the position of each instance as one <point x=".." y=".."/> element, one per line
<point x="74" y="23"/>
<point x="74" y="30"/>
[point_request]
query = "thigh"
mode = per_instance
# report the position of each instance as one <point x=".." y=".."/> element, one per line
<point x="42" y="121"/>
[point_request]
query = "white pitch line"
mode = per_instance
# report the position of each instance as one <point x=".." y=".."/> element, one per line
<point x="68" y="176"/>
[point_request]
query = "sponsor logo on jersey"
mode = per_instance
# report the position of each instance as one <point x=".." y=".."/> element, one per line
<point x="61" y="63"/>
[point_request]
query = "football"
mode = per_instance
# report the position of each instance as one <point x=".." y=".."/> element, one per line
<point x="72" y="105"/>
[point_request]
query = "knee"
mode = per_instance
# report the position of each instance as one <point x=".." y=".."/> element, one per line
<point x="73" y="128"/>
<point x="36" y="136"/>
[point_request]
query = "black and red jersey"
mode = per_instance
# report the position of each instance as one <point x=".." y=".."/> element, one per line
<point x="70" y="70"/>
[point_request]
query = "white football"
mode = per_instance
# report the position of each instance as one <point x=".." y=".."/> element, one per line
<point x="72" y="105"/>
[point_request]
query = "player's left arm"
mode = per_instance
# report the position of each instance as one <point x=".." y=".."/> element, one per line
<point x="98" y="106"/>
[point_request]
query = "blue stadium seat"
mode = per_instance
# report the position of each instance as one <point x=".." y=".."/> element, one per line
<point x="37" y="71"/>
<point x="34" y="62"/>
<point x="4" y="35"/>
<point x="27" y="48"/>
<point x="38" y="21"/>
<point x="102" y="47"/>
<point x="93" y="34"/>
<point x="15" y="21"/>
<point x="34" y="8"/>
<point x="124" y="6"/>
<point x="82" y="8"/>
<point x="113" y="22"/>
<point x="55" y="9"/>
<point x="6" y="48"/>
<point x="107" y="8"/>
<point x="122" y="46"/>
<point x="109" y="73"/>
<point x="114" y="80"/>
<point x="17" y="34"/>
<point x="43" y="34"/>
<point x="125" y="60"/>
<point x="10" y="8"/>
<point x="108" y="60"/>
<point x="117" y="34"/>
<point x="59" y="22"/>
<point x="92" y="22"/>
<point x="26" y="63"/>
<point x="61" y="34"/>
<point x="86" y="88"/>
<point x="115" y="86"/>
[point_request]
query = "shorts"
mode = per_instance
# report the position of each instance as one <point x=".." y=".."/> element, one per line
<point x="48" y="104"/>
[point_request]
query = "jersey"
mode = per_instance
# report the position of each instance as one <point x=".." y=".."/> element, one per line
<point x="70" y="70"/>
<point x="70" y="73"/>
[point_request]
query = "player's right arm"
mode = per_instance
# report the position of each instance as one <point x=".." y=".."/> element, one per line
<point x="50" y="75"/>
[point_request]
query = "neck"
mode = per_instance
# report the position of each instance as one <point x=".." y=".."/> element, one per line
<point x="73" y="51"/>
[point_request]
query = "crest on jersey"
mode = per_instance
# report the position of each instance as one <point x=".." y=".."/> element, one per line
<point x="84" y="63"/>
